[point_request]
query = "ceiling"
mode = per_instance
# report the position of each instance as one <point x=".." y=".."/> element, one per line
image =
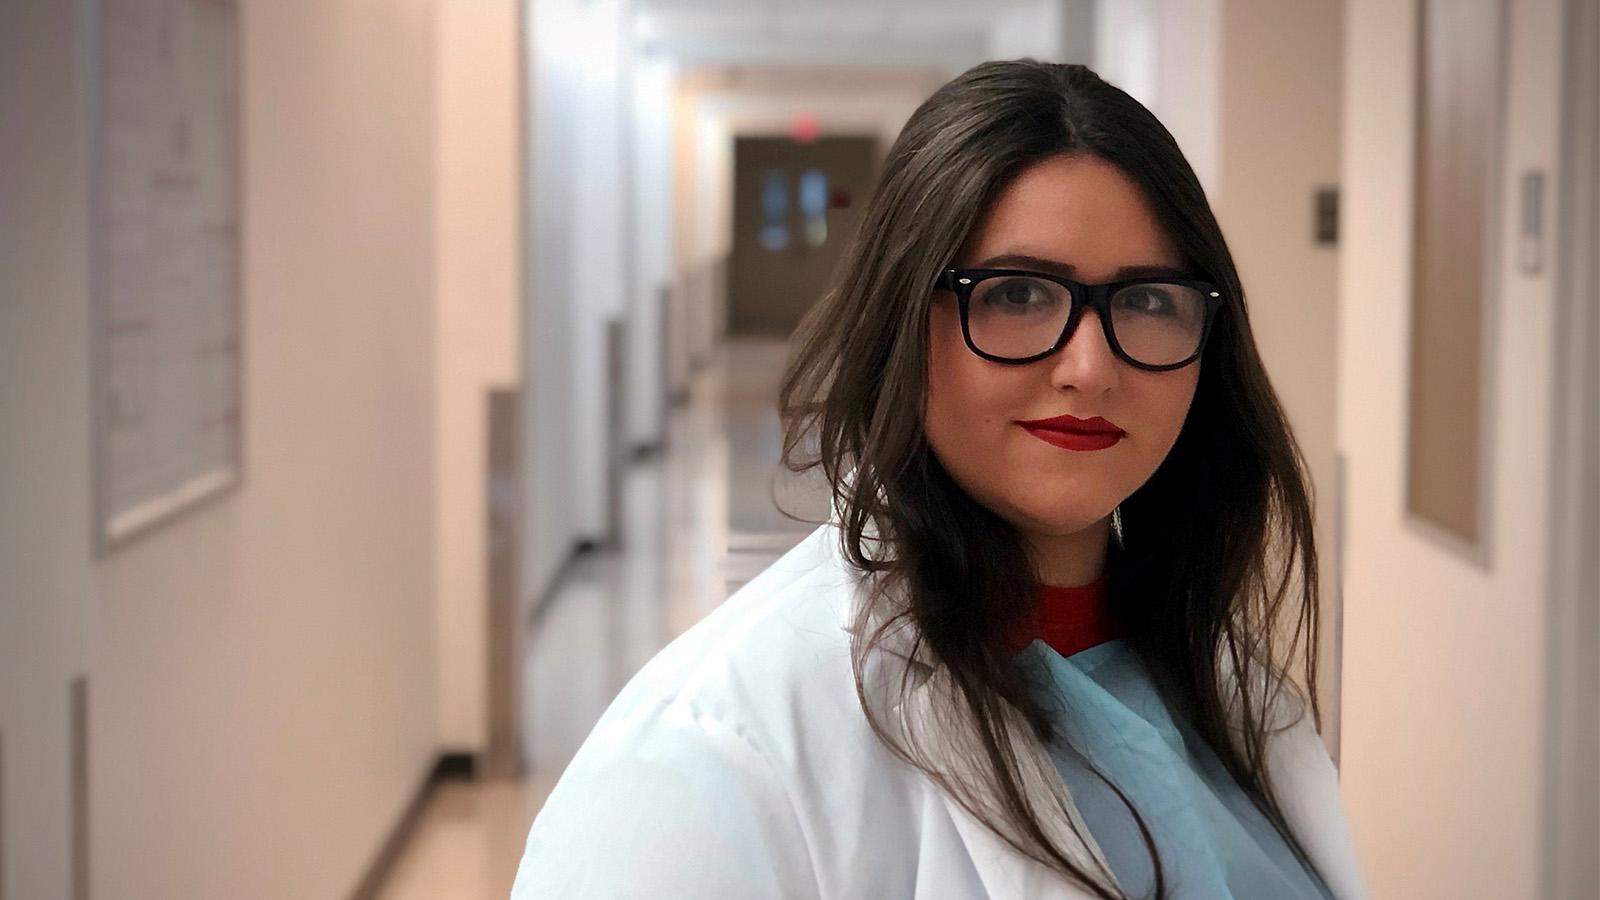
<point x="896" y="33"/>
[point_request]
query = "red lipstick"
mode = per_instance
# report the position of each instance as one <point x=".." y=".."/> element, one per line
<point x="1073" y="433"/>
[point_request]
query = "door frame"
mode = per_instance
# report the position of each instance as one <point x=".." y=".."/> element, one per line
<point x="1571" y="823"/>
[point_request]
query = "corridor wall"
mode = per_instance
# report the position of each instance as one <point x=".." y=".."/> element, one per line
<point x="46" y="578"/>
<point x="262" y="669"/>
<point x="578" y="262"/>
<point x="259" y="669"/>
<point x="478" y="279"/>
<point x="1446" y="735"/>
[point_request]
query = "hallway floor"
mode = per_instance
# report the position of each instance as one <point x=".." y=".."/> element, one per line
<point x="698" y="520"/>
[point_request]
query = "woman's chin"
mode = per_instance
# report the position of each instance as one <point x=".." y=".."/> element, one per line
<point x="1055" y="522"/>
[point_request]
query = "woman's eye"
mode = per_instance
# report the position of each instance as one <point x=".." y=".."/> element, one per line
<point x="1151" y="301"/>
<point x="1019" y="295"/>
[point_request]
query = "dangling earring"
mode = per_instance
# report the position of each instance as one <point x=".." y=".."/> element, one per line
<point x="1116" y="525"/>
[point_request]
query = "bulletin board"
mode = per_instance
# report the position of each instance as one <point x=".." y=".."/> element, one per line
<point x="164" y="157"/>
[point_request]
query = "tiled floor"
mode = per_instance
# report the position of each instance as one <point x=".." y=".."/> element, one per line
<point x="699" y="519"/>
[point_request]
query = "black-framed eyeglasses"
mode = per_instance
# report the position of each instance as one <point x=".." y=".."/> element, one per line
<point x="1017" y="316"/>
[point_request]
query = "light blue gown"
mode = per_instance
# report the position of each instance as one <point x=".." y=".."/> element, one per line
<point x="1214" y="843"/>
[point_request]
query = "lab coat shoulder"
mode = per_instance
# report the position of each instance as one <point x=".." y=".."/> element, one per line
<point x="737" y="763"/>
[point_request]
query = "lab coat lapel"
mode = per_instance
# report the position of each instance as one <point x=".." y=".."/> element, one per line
<point x="1003" y="871"/>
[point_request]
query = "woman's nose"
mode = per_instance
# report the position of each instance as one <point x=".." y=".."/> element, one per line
<point x="1086" y="363"/>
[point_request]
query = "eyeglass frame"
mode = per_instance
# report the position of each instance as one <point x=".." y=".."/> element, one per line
<point x="1093" y="296"/>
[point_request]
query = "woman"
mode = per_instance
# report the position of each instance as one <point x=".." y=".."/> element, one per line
<point x="1038" y="651"/>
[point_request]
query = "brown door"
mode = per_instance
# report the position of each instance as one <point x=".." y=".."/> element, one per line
<point x="794" y="207"/>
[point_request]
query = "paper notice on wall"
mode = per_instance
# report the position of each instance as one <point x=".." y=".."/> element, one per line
<point x="166" y="273"/>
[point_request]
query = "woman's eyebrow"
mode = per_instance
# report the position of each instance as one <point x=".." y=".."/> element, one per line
<point x="1039" y="263"/>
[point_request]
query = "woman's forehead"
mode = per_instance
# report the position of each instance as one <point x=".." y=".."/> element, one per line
<point x="1080" y="212"/>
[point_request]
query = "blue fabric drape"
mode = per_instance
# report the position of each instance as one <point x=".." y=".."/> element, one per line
<point x="1214" y="843"/>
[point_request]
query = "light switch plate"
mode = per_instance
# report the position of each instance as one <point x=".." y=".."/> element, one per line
<point x="1530" y="236"/>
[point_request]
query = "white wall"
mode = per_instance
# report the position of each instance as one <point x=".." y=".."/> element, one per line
<point x="46" y="582"/>
<point x="651" y="151"/>
<point x="1048" y="30"/>
<point x="550" y="97"/>
<point x="1443" y="738"/>
<point x="478" y="276"/>
<point x="1188" y="92"/>
<point x="602" y="258"/>
<point x="1167" y="55"/>
<point x="262" y="669"/>
<point x="1125" y="46"/>
<point x="577" y="262"/>
<point x="713" y="232"/>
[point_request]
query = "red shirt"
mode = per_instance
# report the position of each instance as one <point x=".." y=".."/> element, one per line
<point x="1070" y="619"/>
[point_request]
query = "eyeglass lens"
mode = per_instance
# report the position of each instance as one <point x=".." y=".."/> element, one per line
<point x="1015" y="317"/>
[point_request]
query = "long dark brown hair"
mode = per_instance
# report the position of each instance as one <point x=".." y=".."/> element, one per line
<point x="1217" y="567"/>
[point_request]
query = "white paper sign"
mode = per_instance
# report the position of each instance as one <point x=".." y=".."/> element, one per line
<point x="166" y="267"/>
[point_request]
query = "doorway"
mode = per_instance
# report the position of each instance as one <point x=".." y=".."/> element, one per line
<point x="795" y="206"/>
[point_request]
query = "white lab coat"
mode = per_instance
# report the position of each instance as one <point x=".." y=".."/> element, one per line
<point x="737" y="764"/>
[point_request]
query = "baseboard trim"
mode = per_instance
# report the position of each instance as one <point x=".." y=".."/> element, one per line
<point x="447" y="767"/>
<point x="463" y="766"/>
<point x="542" y="600"/>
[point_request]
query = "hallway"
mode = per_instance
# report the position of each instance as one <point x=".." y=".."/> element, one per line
<point x="380" y="388"/>
<point x="698" y="520"/>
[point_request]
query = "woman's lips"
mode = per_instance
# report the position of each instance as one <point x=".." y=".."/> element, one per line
<point x="1072" y="433"/>
<point x="1076" y="440"/>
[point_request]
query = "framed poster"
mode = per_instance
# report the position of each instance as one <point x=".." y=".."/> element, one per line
<point x="164" y="207"/>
